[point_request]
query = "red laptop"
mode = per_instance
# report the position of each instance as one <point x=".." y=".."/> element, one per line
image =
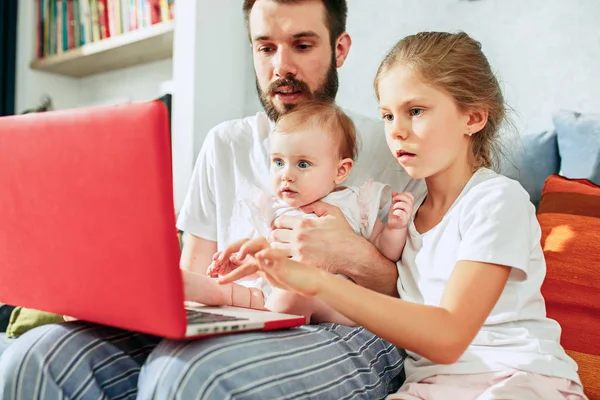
<point x="87" y="223"/>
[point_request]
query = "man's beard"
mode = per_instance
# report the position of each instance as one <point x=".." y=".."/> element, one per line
<point x="326" y="91"/>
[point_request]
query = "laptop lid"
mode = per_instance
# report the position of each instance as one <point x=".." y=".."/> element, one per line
<point x="87" y="216"/>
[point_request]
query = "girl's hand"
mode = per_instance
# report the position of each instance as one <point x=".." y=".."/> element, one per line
<point x="401" y="210"/>
<point x="275" y="266"/>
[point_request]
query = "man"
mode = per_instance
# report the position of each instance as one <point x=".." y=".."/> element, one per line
<point x="297" y="46"/>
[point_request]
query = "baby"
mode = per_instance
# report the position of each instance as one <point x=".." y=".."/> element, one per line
<point x="312" y="151"/>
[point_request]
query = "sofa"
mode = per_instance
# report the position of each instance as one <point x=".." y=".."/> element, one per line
<point x="560" y="169"/>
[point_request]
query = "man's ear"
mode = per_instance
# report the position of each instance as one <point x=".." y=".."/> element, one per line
<point x="342" y="47"/>
<point x="478" y="117"/>
<point x="343" y="170"/>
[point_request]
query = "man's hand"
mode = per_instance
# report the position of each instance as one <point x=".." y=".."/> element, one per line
<point x="314" y="241"/>
<point x="330" y="243"/>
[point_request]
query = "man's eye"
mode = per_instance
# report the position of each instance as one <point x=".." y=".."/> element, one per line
<point x="265" y="49"/>
<point x="304" y="46"/>
<point x="415" y="112"/>
<point x="303" y="164"/>
<point x="388" y="117"/>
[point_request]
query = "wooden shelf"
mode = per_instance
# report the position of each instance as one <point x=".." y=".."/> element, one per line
<point x="132" y="48"/>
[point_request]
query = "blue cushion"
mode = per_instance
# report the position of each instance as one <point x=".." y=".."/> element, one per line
<point x="579" y="144"/>
<point x="532" y="160"/>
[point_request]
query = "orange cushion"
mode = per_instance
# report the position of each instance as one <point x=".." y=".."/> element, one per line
<point x="569" y="214"/>
<point x="589" y="371"/>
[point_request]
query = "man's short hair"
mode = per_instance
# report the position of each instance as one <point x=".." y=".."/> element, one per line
<point x="336" y="15"/>
<point x="326" y="116"/>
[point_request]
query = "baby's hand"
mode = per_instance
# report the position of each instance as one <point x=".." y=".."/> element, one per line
<point x="400" y="210"/>
<point x="221" y="266"/>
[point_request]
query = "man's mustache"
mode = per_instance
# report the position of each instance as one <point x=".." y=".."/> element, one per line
<point x="290" y="82"/>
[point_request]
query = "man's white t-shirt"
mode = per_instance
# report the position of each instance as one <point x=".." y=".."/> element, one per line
<point x="234" y="161"/>
<point x="492" y="221"/>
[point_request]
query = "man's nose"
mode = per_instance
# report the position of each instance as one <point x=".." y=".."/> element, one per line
<point x="284" y="64"/>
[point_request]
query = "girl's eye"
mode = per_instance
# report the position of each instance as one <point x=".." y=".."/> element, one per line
<point x="415" y="112"/>
<point x="388" y="117"/>
<point x="303" y="164"/>
<point x="278" y="163"/>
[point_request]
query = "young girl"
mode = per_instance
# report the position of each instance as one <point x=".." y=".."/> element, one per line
<point x="312" y="153"/>
<point x="470" y="315"/>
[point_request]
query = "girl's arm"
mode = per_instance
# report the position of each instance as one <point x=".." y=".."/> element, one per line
<point x="441" y="334"/>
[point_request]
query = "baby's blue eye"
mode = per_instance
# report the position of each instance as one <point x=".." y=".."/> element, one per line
<point x="278" y="163"/>
<point x="303" y="164"/>
<point x="388" y="117"/>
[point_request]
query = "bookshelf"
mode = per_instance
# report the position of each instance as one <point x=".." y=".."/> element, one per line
<point x="136" y="47"/>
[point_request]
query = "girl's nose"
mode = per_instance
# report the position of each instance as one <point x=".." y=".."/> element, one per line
<point x="399" y="133"/>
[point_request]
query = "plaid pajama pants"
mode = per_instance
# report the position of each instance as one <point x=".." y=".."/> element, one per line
<point x="79" y="360"/>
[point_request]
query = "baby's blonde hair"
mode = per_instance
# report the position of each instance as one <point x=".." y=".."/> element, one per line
<point x="328" y="117"/>
<point x="455" y="63"/>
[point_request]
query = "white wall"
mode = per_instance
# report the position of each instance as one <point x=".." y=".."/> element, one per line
<point x="210" y="75"/>
<point x="139" y="83"/>
<point x="545" y="52"/>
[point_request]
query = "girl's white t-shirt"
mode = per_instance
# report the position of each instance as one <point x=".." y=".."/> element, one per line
<point x="492" y="221"/>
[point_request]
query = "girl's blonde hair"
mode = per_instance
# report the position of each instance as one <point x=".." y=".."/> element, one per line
<point x="455" y="63"/>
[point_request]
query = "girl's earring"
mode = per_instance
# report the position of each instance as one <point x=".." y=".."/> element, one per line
<point x="470" y="134"/>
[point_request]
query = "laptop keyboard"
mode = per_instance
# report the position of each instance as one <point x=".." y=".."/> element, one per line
<point x="199" y="317"/>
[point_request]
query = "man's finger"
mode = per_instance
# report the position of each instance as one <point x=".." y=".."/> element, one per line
<point x="281" y="236"/>
<point x="286" y="222"/>
<point x="271" y="255"/>
<point x="320" y="209"/>
<point x="239" y="273"/>
<point x="285" y="247"/>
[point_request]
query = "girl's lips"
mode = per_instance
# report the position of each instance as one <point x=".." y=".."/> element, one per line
<point x="400" y="153"/>
<point x="404" y="156"/>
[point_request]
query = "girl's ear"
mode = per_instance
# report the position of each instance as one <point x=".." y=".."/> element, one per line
<point x="477" y="119"/>
<point x="343" y="170"/>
